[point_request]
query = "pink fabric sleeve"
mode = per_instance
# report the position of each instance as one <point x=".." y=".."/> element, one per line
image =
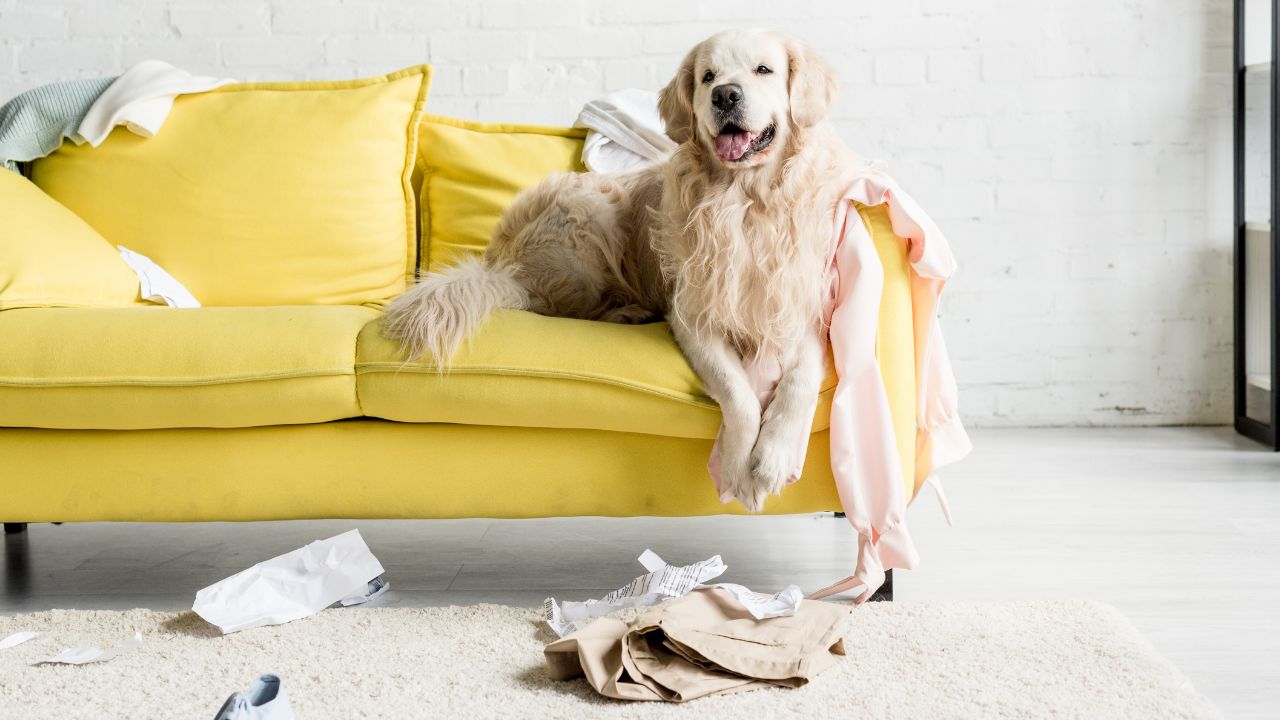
<point x="941" y="438"/>
<point x="864" y="452"/>
<point x="864" y="456"/>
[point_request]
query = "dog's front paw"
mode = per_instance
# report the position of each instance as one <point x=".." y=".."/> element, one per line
<point x="771" y="468"/>
<point x="750" y="494"/>
<point x="739" y="483"/>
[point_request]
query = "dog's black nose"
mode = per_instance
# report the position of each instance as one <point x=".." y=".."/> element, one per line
<point x="726" y="96"/>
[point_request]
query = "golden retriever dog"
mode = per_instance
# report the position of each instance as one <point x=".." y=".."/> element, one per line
<point x="729" y="240"/>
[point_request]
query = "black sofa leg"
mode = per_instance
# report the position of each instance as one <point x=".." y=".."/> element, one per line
<point x="14" y="528"/>
<point x="885" y="593"/>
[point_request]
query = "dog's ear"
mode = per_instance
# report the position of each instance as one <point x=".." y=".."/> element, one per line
<point x="675" y="101"/>
<point x="812" y="84"/>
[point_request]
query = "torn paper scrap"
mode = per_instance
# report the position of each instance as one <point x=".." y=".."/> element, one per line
<point x="18" y="638"/>
<point x="156" y="284"/>
<point x="291" y="586"/>
<point x="663" y="582"/>
<point x="85" y="655"/>
<point x="760" y="606"/>
<point x="376" y="587"/>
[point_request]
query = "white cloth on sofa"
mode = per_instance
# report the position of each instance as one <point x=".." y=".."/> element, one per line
<point x="141" y="99"/>
<point x="156" y="284"/>
<point x="624" y="131"/>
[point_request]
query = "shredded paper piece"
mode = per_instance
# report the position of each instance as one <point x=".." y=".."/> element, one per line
<point x="85" y="655"/>
<point x="156" y="284"/>
<point x="292" y="586"/>
<point x="18" y="638"/>
<point x="760" y="605"/>
<point x="665" y="582"/>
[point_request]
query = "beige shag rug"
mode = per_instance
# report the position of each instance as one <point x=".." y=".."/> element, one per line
<point x="907" y="660"/>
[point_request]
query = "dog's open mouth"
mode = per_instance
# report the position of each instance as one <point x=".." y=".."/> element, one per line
<point x="734" y="144"/>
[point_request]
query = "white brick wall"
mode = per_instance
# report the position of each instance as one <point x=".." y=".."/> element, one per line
<point x="1077" y="153"/>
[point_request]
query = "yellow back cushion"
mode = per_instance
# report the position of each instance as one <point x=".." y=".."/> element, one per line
<point x="472" y="172"/>
<point x="263" y="193"/>
<point x="51" y="258"/>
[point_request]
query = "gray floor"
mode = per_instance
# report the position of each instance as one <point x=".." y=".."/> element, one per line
<point x="1178" y="527"/>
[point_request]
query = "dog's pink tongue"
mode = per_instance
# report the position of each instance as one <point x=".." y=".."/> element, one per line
<point x="732" y="146"/>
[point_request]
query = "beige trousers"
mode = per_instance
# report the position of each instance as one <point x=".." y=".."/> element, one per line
<point x="701" y="644"/>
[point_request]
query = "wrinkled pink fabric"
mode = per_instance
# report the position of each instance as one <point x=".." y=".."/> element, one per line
<point x="864" y="453"/>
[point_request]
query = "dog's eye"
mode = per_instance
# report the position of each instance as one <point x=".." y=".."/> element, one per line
<point x="763" y="70"/>
<point x="707" y="77"/>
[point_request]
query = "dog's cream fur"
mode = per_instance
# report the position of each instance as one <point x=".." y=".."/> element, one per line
<point x="732" y="252"/>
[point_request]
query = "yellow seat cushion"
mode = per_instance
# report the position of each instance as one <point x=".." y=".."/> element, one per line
<point x="49" y="257"/>
<point x="472" y="171"/>
<point x="155" y="367"/>
<point x="291" y="193"/>
<point x="527" y="370"/>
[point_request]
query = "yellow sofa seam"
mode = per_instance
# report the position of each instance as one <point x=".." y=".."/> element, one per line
<point x="45" y="302"/>
<point x="424" y="202"/>
<point x="355" y="355"/>
<point x="173" y="382"/>
<point x="295" y="85"/>
<point x="370" y="368"/>
<point x="395" y="368"/>
<point x="505" y="128"/>
<point x="406" y="179"/>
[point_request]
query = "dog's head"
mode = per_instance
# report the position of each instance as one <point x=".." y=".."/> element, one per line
<point x="742" y="94"/>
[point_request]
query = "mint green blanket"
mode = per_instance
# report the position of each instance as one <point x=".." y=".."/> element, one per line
<point x="36" y="122"/>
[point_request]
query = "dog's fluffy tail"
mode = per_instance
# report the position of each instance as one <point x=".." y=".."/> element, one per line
<point x="432" y="318"/>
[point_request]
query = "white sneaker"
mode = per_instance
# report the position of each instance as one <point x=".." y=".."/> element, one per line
<point x="264" y="700"/>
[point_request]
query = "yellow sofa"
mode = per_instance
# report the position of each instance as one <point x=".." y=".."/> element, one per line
<point x="276" y="404"/>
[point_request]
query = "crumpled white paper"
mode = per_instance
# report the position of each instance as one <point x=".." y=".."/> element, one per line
<point x="156" y="284"/>
<point x="291" y="586"/>
<point x="665" y="582"/>
<point x="18" y="638"/>
<point x="84" y="655"/>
